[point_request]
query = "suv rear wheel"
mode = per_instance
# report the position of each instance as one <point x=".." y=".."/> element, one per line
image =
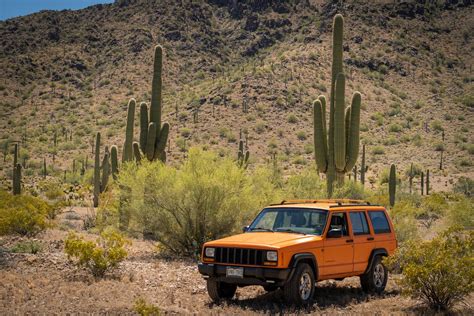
<point x="375" y="280"/>
<point x="300" y="288"/>
<point x="220" y="290"/>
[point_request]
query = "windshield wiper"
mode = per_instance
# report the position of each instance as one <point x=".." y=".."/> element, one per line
<point x="288" y="230"/>
<point x="262" y="229"/>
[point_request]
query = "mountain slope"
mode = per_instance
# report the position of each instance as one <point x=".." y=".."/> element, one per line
<point x="75" y="71"/>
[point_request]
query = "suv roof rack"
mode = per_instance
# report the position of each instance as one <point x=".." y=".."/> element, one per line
<point x="339" y="202"/>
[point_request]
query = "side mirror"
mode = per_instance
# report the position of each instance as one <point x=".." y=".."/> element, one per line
<point x="334" y="233"/>
<point x="245" y="228"/>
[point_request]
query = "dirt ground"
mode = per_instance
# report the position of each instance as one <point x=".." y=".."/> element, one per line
<point x="46" y="283"/>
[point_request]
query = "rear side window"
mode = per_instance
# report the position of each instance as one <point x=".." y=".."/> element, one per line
<point x="359" y="223"/>
<point x="379" y="222"/>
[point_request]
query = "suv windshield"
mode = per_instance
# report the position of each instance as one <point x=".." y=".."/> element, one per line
<point x="290" y="220"/>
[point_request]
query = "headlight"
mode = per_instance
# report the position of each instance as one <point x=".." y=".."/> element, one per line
<point x="272" y="256"/>
<point x="209" y="252"/>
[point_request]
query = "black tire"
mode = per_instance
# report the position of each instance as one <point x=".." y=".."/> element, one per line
<point x="270" y="288"/>
<point x="291" y="291"/>
<point x="375" y="280"/>
<point x="220" y="290"/>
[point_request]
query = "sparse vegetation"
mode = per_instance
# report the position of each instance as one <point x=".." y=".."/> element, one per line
<point x="440" y="272"/>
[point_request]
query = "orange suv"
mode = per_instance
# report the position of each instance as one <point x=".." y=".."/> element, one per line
<point x="296" y="243"/>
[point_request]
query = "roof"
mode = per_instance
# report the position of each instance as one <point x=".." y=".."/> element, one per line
<point x="324" y="204"/>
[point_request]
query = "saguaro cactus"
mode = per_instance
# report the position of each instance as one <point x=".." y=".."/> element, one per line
<point x="243" y="155"/>
<point x="45" y="170"/>
<point x="422" y="183"/>
<point x="153" y="135"/>
<point x="100" y="180"/>
<point x="427" y="182"/>
<point x="15" y="155"/>
<point x="411" y="175"/>
<point x="16" y="179"/>
<point x="336" y="147"/>
<point x="392" y="184"/>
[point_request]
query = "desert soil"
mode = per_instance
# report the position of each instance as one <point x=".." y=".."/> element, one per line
<point x="47" y="283"/>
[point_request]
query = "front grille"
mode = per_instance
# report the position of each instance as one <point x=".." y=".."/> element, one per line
<point x="239" y="256"/>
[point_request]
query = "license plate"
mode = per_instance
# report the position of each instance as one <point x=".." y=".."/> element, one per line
<point x="235" y="272"/>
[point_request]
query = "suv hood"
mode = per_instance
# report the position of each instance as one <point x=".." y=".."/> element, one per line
<point x="262" y="239"/>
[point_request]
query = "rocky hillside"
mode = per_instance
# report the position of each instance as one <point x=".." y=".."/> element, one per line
<point x="249" y="67"/>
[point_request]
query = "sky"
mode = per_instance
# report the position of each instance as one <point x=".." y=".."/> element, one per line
<point x="13" y="8"/>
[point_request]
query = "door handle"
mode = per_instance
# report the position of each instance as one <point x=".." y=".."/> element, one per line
<point x="349" y="240"/>
<point x="370" y="238"/>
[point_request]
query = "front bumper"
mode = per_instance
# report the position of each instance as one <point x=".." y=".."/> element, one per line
<point x="252" y="275"/>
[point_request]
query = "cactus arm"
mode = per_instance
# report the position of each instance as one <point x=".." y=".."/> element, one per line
<point x="322" y="99"/>
<point x="143" y="125"/>
<point x="347" y="126"/>
<point x="163" y="140"/>
<point x="354" y="132"/>
<point x="105" y="170"/>
<point x="362" y="166"/>
<point x="136" y="152"/>
<point x="150" y="144"/>
<point x="127" y="148"/>
<point x="320" y="143"/>
<point x="339" y="129"/>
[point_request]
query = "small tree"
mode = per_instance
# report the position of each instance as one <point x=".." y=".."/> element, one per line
<point x="440" y="272"/>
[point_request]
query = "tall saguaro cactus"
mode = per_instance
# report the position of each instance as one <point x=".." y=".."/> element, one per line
<point x="392" y="185"/>
<point x="336" y="146"/>
<point x="153" y="134"/>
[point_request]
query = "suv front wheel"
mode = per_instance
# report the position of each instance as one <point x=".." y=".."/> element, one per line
<point x="220" y="290"/>
<point x="375" y="280"/>
<point x="300" y="288"/>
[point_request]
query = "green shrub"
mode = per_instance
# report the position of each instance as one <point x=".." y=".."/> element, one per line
<point x="464" y="186"/>
<point x="143" y="308"/>
<point x="100" y="256"/>
<point x="23" y="214"/>
<point x="378" y="150"/>
<point x="205" y="198"/>
<point x="301" y="135"/>
<point x="437" y="126"/>
<point x="29" y="246"/>
<point x="461" y="213"/>
<point x="439" y="272"/>
<point x="292" y="118"/>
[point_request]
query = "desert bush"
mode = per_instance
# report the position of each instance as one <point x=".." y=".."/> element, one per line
<point x="350" y="190"/>
<point x="100" y="256"/>
<point x="29" y="246"/>
<point x="23" y="214"/>
<point x="464" y="186"/>
<point x="440" y="272"/>
<point x="143" y="308"/>
<point x="206" y="198"/>
<point x="305" y="185"/>
<point x="461" y="213"/>
<point x="403" y="217"/>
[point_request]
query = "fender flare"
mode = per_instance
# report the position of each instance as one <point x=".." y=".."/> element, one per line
<point x="305" y="256"/>
<point x="375" y="252"/>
